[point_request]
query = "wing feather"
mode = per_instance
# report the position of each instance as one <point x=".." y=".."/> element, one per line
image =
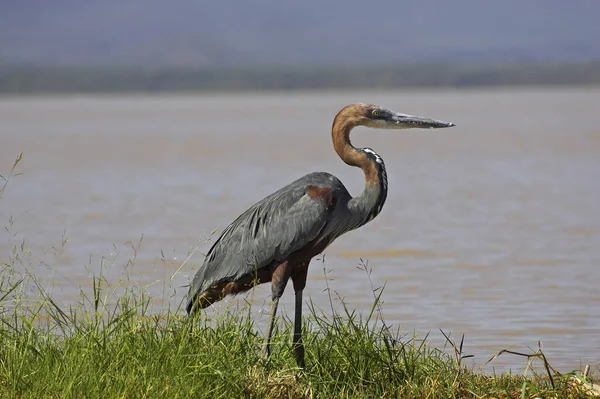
<point x="270" y="230"/>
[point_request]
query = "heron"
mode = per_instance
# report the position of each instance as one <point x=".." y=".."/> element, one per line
<point x="276" y="238"/>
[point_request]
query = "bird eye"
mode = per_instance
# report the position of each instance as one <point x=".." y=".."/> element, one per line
<point x="375" y="113"/>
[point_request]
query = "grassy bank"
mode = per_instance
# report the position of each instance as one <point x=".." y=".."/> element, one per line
<point x="116" y="347"/>
<point x="113" y="343"/>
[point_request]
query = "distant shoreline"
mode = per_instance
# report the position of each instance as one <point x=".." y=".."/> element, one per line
<point x="113" y="79"/>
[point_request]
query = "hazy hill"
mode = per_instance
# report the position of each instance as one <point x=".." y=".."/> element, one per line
<point x="307" y="32"/>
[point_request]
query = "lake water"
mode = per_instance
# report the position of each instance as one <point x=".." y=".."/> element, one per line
<point x="491" y="229"/>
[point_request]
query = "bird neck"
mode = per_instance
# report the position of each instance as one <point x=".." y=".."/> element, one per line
<point x="369" y="203"/>
<point x="340" y="134"/>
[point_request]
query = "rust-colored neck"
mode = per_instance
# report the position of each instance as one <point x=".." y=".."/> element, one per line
<point x="340" y="134"/>
<point x="368" y="204"/>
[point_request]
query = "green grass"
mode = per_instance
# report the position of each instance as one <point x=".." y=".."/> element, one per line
<point x="112" y="343"/>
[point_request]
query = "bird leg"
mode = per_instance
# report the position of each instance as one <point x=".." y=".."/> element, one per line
<point x="267" y="347"/>
<point x="279" y="280"/>
<point x="299" y="280"/>
<point x="298" y="345"/>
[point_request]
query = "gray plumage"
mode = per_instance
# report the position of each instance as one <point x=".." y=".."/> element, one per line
<point x="282" y="223"/>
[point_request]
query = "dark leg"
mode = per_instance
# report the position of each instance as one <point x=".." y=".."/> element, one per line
<point x="299" y="280"/>
<point x="266" y="347"/>
<point x="298" y="344"/>
<point x="279" y="280"/>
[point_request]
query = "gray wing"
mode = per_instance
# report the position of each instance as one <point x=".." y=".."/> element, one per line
<point x="270" y="230"/>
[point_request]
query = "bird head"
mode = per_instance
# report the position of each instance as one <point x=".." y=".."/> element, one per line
<point x="377" y="117"/>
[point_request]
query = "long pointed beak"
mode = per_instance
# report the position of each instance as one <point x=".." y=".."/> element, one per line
<point x="403" y="121"/>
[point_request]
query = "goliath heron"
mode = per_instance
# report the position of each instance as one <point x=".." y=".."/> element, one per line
<point x="275" y="239"/>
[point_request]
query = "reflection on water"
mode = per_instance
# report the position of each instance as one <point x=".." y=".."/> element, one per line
<point x="491" y="228"/>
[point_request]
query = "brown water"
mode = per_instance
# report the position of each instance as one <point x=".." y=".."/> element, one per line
<point x="491" y="228"/>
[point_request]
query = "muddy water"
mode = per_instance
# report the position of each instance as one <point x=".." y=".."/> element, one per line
<point x="491" y="229"/>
